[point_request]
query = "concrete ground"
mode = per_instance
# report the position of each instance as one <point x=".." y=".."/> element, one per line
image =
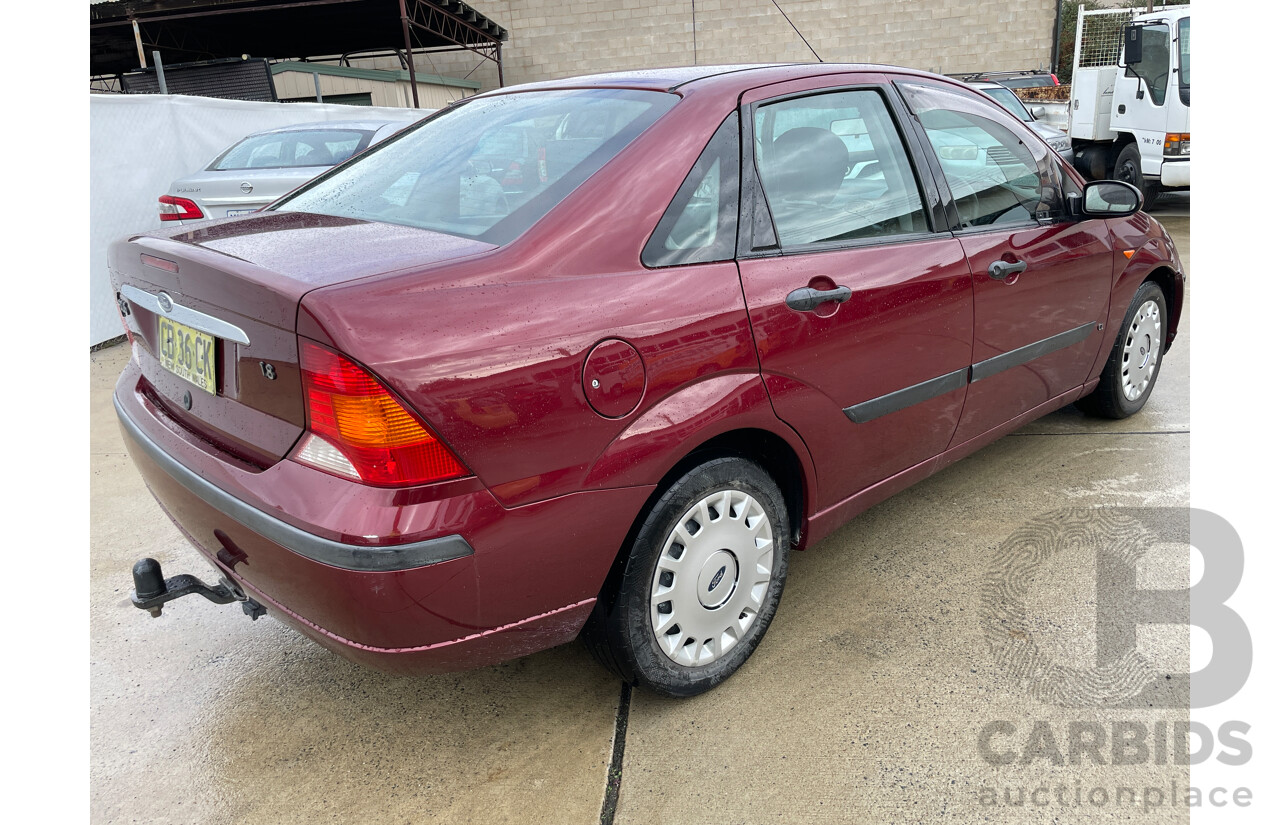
<point x="866" y="702"/>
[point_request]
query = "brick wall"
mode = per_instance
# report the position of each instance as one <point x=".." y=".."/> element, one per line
<point x="559" y="38"/>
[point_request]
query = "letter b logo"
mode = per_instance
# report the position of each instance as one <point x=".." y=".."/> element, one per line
<point x="1119" y="538"/>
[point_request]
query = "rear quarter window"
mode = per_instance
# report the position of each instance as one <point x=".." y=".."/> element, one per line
<point x="701" y="223"/>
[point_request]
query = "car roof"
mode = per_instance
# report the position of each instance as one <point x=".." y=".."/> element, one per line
<point x="663" y="79"/>
<point x="672" y="78"/>
<point x="334" y="125"/>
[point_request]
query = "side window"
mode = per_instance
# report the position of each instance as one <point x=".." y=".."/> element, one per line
<point x="1067" y="183"/>
<point x="833" y="168"/>
<point x="994" y="175"/>
<point x="701" y="223"/>
<point x="1154" y="68"/>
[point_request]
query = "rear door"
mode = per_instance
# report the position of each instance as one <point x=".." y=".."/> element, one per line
<point x="1041" y="278"/>
<point x="860" y="302"/>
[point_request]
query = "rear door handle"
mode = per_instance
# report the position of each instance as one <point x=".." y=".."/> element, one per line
<point x="1003" y="269"/>
<point x="807" y="299"/>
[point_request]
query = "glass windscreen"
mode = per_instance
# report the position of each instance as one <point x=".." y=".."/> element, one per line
<point x="285" y="150"/>
<point x="489" y="168"/>
<point x="1010" y="101"/>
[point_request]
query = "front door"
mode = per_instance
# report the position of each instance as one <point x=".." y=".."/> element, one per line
<point x="1041" y="278"/>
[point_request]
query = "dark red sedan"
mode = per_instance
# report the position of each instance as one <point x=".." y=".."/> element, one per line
<point x="435" y="411"/>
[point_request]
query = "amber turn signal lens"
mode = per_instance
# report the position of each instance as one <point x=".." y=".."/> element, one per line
<point x="359" y="430"/>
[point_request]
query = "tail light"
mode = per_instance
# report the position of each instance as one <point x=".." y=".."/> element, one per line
<point x="1055" y="79"/>
<point x="179" y="209"/>
<point x="358" y="430"/>
<point x="514" y="175"/>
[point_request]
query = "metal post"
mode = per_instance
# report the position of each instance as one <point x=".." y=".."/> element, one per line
<point x="408" y="47"/>
<point x="316" y="77"/>
<point x="500" y="83"/>
<point x="164" y="87"/>
<point x="137" y="40"/>
<point x="1057" y="39"/>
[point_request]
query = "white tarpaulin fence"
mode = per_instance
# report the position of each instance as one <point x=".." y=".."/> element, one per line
<point x="140" y="144"/>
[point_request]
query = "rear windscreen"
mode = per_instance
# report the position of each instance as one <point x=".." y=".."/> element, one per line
<point x="285" y="150"/>
<point x="490" y="168"/>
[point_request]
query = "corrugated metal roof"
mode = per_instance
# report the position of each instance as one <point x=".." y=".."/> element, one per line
<point x="383" y="75"/>
<point x="191" y="30"/>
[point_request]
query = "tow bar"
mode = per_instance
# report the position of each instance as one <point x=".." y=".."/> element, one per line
<point x="151" y="590"/>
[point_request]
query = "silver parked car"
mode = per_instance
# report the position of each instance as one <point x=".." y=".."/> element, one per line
<point x="1057" y="139"/>
<point x="265" y="165"/>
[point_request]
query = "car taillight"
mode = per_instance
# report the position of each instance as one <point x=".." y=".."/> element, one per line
<point x="514" y="175"/>
<point x="1055" y="79"/>
<point x="179" y="209"/>
<point x="357" y="429"/>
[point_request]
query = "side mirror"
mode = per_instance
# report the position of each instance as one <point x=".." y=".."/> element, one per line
<point x="1132" y="45"/>
<point x="1110" y="199"/>
<point x="1037" y="112"/>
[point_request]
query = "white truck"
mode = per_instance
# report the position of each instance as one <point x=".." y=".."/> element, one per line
<point x="1130" y="110"/>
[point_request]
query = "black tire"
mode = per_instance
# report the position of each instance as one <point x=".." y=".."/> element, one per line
<point x="1110" y="399"/>
<point x="1129" y="170"/>
<point x="620" y="632"/>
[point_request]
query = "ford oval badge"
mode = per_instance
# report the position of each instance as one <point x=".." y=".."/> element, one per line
<point x="716" y="578"/>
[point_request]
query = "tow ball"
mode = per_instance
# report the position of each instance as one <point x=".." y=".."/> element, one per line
<point x="151" y="590"/>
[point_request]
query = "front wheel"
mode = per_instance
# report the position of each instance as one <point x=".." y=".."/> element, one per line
<point x="1134" y="362"/>
<point x="702" y="581"/>
<point x="1129" y="170"/>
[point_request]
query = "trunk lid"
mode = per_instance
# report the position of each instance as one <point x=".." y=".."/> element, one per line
<point x="242" y="280"/>
<point x="227" y="194"/>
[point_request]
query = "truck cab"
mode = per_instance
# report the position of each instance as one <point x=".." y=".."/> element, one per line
<point x="1131" y="98"/>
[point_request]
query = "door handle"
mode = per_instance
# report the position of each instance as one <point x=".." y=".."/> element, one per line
<point x="807" y="299"/>
<point x="1000" y="270"/>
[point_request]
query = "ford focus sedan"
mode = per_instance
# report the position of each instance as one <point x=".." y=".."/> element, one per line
<point x="435" y="421"/>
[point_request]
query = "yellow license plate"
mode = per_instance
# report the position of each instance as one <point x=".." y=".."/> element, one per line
<point x="188" y="353"/>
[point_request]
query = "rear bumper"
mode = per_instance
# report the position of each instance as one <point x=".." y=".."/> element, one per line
<point x="287" y="536"/>
<point x="431" y="579"/>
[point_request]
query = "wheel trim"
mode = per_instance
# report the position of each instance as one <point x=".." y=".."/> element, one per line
<point x="1141" y="354"/>
<point x="711" y="578"/>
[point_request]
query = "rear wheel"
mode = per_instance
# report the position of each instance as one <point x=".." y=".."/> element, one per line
<point x="701" y="583"/>
<point x="1134" y="362"/>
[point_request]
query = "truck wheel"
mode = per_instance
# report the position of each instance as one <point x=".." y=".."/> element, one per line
<point x="702" y="581"/>
<point x="1134" y="362"/>
<point x="1129" y="170"/>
